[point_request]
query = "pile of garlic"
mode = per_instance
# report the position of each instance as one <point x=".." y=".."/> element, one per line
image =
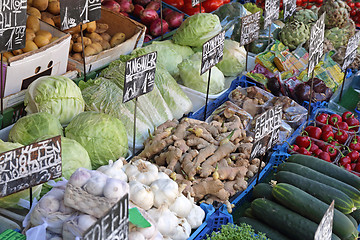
<point x="174" y="214"/>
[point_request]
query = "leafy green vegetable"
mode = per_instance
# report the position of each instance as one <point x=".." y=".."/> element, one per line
<point x="103" y="136"/>
<point x="190" y="75"/>
<point x="57" y="95"/>
<point x="197" y="29"/>
<point x="234" y="232"/>
<point x="234" y="59"/>
<point x="34" y="126"/>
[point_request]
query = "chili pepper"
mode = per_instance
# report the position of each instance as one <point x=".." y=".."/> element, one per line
<point x="302" y="141"/>
<point x="314" y="132"/>
<point x="322" y="118"/>
<point x="303" y="151"/>
<point x="334" y="118"/>
<point x="347" y="115"/>
<point x="341" y="136"/>
<point x="331" y="150"/>
<point x="343" y="126"/>
<point x="325" y="156"/>
<point x="345" y="160"/>
<point x="327" y="136"/>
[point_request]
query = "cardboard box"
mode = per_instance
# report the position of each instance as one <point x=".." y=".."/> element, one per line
<point x="134" y="32"/>
<point x="49" y="60"/>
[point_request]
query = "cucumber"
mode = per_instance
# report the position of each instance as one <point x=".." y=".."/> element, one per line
<point x="312" y="208"/>
<point x="248" y="213"/>
<point x="262" y="190"/>
<point x="321" y="191"/>
<point x="287" y="222"/>
<point x="326" y="168"/>
<point x="356" y="215"/>
<point x="352" y="192"/>
<point x="353" y="220"/>
<point x="261" y="227"/>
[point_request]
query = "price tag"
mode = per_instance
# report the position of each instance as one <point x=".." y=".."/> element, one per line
<point x="316" y="43"/>
<point x="212" y="52"/>
<point x="267" y="128"/>
<point x="324" y="230"/>
<point x="13" y="24"/>
<point x="72" y="13"/>
<point x="289" y="8"/>
<point x="30" y="165"/>
<point x="114" y="225"/>
<point x="272" y="8"/>
<point x="351" y="49"/>
<point x="250" y="28"/>
<point x="139" y="76"/>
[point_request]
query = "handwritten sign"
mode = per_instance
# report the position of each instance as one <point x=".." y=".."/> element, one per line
<point x="267" y="128"/>
<point x="139" y="76"/>
<point x="324" y="230"/>
<point x="212" y="52"/>
<point x="316" y="43"/>
<point x="12" y="24"/>
<point x="196" y="2"/>
<point x="351" y="50"/>
<point x="250" y="28"/>
<point x="72" y="13"/>
<point x="30" y="165"/>
<point x="289" y="8"/>
<point x="114" y="225"/>
<point x="271" y="11"/>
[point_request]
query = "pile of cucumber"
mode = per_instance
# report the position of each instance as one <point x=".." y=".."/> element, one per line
<point x="293" y="207"/>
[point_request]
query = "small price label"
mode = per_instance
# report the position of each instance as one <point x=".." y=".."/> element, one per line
<point x="316" y="43"/>
<point x="212" y="52"/>
<point x="72" y="13"/>
<point x="139" y="76"/>
<point x="324" y="230"/>
<point x="250" y="28"/>
<point x="350" y="52"/>
<point x="272" y="8"/>
<point x="289" y="8"/>
<point x="12" y="24"/>
<point x="30" y="165"/>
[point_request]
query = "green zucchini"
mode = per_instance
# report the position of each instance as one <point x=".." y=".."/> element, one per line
<point x="261" y="227"/>
<point x="248" y="213"/>
<point x="287" y="222"/>
<point x="353" y="220"/>
<point x="326" y="168"/>
<point x="356" y="215"/>
<point x="352" y="192"/>
<point x="262" y="190"/>
<point x="312" y="208"/>
<point x="319" y="190"/>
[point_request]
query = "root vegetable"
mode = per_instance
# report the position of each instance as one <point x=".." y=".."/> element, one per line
<point x="126" y="6"/>
<point x="54" y="7"/>
<point x="105" y="37"/>
<point x="142" y="2"/>
<point x="153" y="5"/>
<point x="204" y="154"/>
<point x="155" y="27"/>
<point x="174" y="19"/>
<point x="87" y="41"/>
<point x="77" y="47"/>
<point x="166" y="11"/>
<point x="209" y="187"/>
<point x="117" y="39"/>
<point x="112" y="5"/>
<point x="79" y="177"/>
<point x="147" y="16"/>
<point x="197" y="142"/>
<point x="34" y="12"/>
<point x="137" y="10"/>
<point x="91" y="27"/>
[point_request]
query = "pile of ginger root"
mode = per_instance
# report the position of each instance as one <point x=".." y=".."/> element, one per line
<point x="210" y="159"/>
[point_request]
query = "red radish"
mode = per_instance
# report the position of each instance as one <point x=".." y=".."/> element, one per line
<point x="142" y="2"/>
<point x="153" y="5"/>
<point x="147" y="16"/>
<point x="126" y="5"/>
<point x="112" y="5"/>
<point x="124" y="13"/>
<point x="174" y="19"/>
<point x="147" y="38"/>
<point x="166" y="11"/>
<point x="137" y="10"/>
<point x="155" y="28"/>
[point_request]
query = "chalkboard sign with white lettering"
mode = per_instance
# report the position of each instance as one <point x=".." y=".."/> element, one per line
<point x="316" y="43"/>
<point x="139" y="76"/>
<point x="114" y="225"/>
<point x="72" y="13"/>
<point x="351" y="49"/>
<point x="12" y="24"/>
<point x="289" y="8"/>
<point x="212" y="52"/>
<point x="250" y="28"/>
<point x="30" y="165"/>
<point x="271" y="11"/>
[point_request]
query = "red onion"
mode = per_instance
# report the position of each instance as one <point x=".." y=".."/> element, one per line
<point x="142" y="2"/>
<point x="137" y="10"/>
<point x="174" y="19"/>
<point x="112" y="5"/>
<point x="153" y="5"/>
<point x="166" y="11"/>
<point x="147" y="16"/>
<point x="147" y="38"/>
<point x="126" y="5"/>
<point x="155" y="28"/>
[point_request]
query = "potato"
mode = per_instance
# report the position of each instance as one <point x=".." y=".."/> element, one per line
<point x="97" y="46"/>
<point x="33" y="23"/>
<point x="75" y="29"/>
<point x="29" y="3"/>
<point x="101" y="27"/>
<point x="17" y="52"/>
<point x="87" y="41"/>
<point x="106" y="36"/>
<point x="40" y="4"/>
<point x="117" y="39"/>
<point x="94" y="37"/>
<point x="41" y="41"/>
<point x="46" y="15"/>
<point x="89" y="51"/>
<point x="44" y="33"/>
<point x="8" y="55"/>
<point x="30" y="35"/>
<point x="75" y="36"/>
<point x="49" y="21"/>
<point x="91" y="26"/>
<point x="71" y="45"/>
<point x="77" y="47"/>
<point x="53" y="39"/>
<point x="34" y="12"/>
<point x="57" y="21"/>
<point x="54" y="7"/>
<point x="77" y="57"/>
<point x="105" y="45"/>
<point x="29" y="46"/>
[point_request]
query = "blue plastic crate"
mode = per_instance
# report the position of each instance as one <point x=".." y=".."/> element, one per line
<point x="209" y="211"/>
<point x="315" y="106"/>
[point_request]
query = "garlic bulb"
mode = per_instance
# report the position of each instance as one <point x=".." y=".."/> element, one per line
<point x="181" y="207"/>
<point x="50" y="204"/>
<point x="115" y="188"/>
<point x="165" y="192"/>
<point x="141" y="195"/>
<point x="79" y="177"/>
<point x="95" y="185"/>
<point x="85" y="221"/>
<point x="166" y="221"/>
<point x="136" y="236"/>
<point x="162" y="175"/>
<point x="183" y="230"/>
<point x="196" y="216"/>
<point x="114" y="170"/>
<point x="65" y="209"/>
<point x="141" y="171"/>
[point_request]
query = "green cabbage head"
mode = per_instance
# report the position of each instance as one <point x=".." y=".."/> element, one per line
<point x="12" y="200"/>
<point x="34" y="126"/>
<point x="234" y="59"/>
<point x="103" y="136"/>
<point x="57" y="95"/>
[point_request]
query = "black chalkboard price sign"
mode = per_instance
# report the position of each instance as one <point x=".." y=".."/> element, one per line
<point x="324" y="230"/>
<point x="271" y="12"/>
<point x="212" y="52"/>
<point x="12" y="24"/>
<point x="289" y="8"/>
<point x="72" y="13"/>
<point x="30" y="165"/>
<point x="250" y="28"/>
<point x="114" y="225"/>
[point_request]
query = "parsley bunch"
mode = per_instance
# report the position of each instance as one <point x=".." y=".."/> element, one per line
<point x="235" y="232"/>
